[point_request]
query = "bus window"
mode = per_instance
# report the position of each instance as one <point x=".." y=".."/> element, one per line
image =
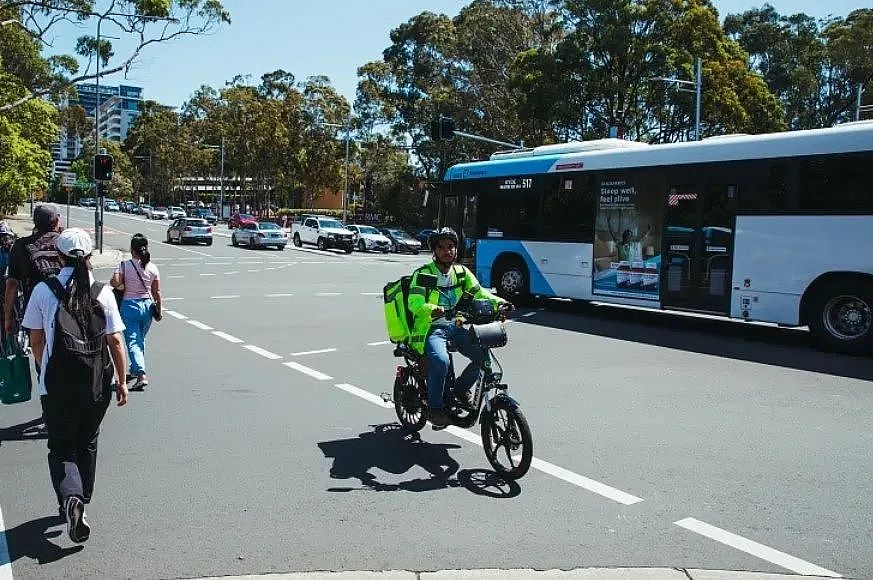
<point x="837" y="184"/>
<point x="508" y="214"/>
<point x="569" y="206"/>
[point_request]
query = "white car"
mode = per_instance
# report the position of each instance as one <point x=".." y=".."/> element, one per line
<point x="157" y="213"/>
<point x="111" y="205"/>
<point x="175" y="212"/>
<point x="369" y="238"/>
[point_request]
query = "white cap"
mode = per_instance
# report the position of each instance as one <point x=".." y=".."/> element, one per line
<point x="74" y="242"/>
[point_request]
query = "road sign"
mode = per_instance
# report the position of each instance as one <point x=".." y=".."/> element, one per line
<point x="68" y="179"/>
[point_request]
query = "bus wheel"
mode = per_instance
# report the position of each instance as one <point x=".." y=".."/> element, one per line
<point x="841" y="316"/>
<point x="513" y="282"/>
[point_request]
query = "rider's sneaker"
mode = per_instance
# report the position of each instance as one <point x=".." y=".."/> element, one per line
<point x="438" y="419"/>
<point x="464" y="398"/>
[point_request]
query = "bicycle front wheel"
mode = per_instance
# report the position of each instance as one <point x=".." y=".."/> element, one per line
<point x="507" y="439"/>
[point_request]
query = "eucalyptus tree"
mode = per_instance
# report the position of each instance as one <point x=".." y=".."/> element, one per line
<point x="141" y="23"/>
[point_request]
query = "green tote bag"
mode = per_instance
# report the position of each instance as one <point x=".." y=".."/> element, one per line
<point x="15" y="382"/>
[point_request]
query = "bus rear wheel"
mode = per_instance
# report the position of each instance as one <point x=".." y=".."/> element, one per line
<point x="512" y="280"/>
<point x="840" y="316"/>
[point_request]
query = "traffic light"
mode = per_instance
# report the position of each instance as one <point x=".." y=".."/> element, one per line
<point x="442" y="128"/>
<point x="103" y="167"/>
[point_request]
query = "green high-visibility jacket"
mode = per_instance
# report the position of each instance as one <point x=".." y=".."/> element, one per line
<point x="424" y="297"/>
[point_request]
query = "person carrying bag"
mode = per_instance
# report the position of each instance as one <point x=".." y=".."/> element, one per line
<point x="15" y="382"/>
<point x="139" y="281"/>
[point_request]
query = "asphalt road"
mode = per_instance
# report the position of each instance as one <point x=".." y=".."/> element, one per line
<point x="261" y="444"/>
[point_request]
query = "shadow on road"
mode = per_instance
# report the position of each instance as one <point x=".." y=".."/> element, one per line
<point x="31" y="540"/>
<point x="790" y="348"/>
<point x="27" y="431"/>
<point x="389" y="448"/>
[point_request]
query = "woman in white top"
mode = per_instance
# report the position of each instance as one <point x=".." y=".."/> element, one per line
<point x="142" y="294"/>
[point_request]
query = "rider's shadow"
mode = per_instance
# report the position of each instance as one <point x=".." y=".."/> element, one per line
<point x="27" y="431"/>
<point x="391" y="449"/>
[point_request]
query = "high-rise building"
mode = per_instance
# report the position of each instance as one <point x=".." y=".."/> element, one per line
<point x="119" y="107"/>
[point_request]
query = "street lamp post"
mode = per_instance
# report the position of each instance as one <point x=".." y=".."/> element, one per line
<point x="221" y="195"/>
<point x="98" y="209"/>
<point x="697" y="83"/>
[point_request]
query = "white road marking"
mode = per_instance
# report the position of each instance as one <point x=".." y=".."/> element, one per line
<point x="218" y="263"/>
<point x="209" y="274"/>
<point x="366" y="395"/>
<point x="305" y="352"/>
<point x="227" y="337"/>
<point x="233" y="272"/>
<point x="252" y="271"/>
<point x="380" y="343"/>
<point x="175" y="314"/>
<point x="269" y="268"/>
<point x="585" y="483"/>
<point x="200" y="325"/>
<point x="227" y="297"/>
<point x="277" y="295"/>
<point x="328" y="294"/>
<point x="171" y="299"/>
<point x="308" y="371"/>
<point x="262" y="352"/>
<point x="371" y="293"/>
<point x="175" y="276"/>
<point x="527" y="314"/>
<point x="5" y="560"/>
<point x="249" y="263"/>
<point x="755" y="549"/>
<point x="313" y="262"/>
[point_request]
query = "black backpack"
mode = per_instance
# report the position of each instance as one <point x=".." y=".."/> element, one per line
<point x="45" y="261"/>
<point x="80" y="357"/>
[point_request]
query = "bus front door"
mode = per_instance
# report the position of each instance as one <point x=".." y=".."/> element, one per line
<point x="698" y="248"/>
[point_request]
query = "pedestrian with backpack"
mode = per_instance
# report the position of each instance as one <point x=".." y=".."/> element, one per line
<point x="33" y="258"/>
<point x="140" y="304"/>
<point x="75" y="331"/>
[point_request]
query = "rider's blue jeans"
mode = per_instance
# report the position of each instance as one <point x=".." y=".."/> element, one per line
<point x="435" y="348"/>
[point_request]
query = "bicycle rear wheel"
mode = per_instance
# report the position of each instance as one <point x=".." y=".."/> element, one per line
<point x="507" y="439"/>
<point x="407" y="401"/>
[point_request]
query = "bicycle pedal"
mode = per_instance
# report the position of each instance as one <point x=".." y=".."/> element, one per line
<point x="387" y="398"/>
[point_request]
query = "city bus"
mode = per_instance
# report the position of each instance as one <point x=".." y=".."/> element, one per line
<point x="773" y="228"/>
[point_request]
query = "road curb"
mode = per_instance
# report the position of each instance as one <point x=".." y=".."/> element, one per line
<point x="524" y="573"/>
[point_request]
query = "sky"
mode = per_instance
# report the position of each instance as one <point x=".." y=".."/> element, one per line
<point x="306" y="38"/>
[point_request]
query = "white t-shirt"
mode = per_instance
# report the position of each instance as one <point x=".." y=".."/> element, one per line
<point x="43" y="306"/>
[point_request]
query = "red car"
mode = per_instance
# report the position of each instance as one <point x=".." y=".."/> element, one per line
<point x="238" y="219"/>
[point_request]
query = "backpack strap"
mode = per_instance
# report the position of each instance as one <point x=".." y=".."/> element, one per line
<point x="56" y="287"/>
<point x="96" y="289"/>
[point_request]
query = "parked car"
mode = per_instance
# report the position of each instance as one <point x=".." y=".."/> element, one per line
<point x="259" y="235"/>
<point x="157" y="213"/>
<point x="238" y="219"/>
<point x="369" y="238"/>
<point x="189" y="230"/>
<point x="324" y="232"/>
<point x="401" y="241"/>
<point x="111" y="205"/>
<point x="145" y="209"/>
<point x="205" y="214"/>
<point x="86" y="202"/>
<point x="424" y="237"/>
<point x="176" y="212"/>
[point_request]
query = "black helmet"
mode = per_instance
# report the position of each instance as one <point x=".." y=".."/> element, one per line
<point x="442" y="234"/>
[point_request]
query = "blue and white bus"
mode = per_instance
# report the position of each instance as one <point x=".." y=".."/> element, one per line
<point x="775" y="227"/>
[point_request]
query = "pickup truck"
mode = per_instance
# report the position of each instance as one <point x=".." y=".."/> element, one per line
<point x="324" y="232"/>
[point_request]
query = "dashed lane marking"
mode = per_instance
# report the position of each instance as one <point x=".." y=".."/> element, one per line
<point x="318" y="375"/>
<point x="226" y="297"/>
<point x="227" y="337"/>
<point x="371" y="293"/>
<point x="175" y="314"/>
<point x="233" y="272"/>
<point x="380" y="343"/>
<point x="366" y="395"/>
<point x="209" y="274"/>
<point x="200" y="325"/>
<point x="585" y="483"/>
<point x="761" y="551"/>
<point x="319" y="351"/>
<point x="263" y="352"/>
<point x="283" y="295"/>
<point x="328" y="294"/>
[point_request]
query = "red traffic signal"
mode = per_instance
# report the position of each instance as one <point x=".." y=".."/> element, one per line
<point x="103" y="167"/>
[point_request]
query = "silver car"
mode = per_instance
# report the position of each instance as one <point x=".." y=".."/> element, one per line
<point x="189" y="230"/>
<point x="259" y="235"/>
